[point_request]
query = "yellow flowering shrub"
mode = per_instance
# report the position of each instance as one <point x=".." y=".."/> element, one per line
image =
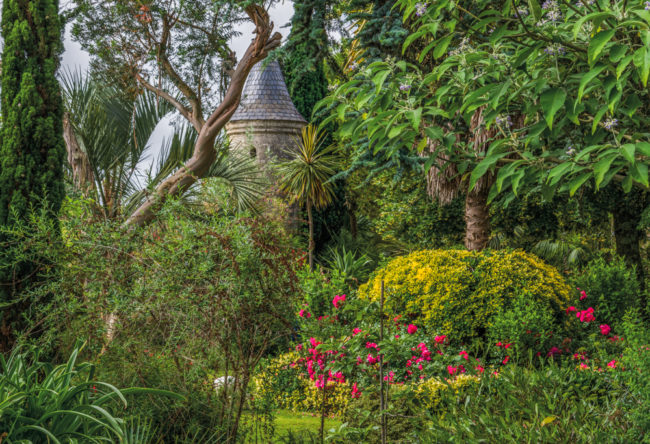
<point x="290" y="388"/>
<point x="431" y="391"/>
<point x="456" y="292"/>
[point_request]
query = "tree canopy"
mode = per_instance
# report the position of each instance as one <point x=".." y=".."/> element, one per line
<point x="562" y="88"/>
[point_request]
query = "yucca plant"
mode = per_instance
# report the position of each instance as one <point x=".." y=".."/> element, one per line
<point x="354" y="266"/>
<point x="306" y="176"/>
<point x="44" y="403"/>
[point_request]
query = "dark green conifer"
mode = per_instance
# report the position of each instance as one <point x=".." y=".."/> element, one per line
<point x="305" y="53"/>
<point x="32" y="150"/>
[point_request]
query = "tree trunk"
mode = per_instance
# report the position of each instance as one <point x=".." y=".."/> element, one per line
<point x="477" y="220"/>
<point x="628" y="237"/>
<point x="82" y="173"/>
<point x="204" y="150"/>
<point x="311" y="235"/>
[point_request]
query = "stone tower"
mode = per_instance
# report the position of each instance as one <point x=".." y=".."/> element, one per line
<point x="266" y="123"/>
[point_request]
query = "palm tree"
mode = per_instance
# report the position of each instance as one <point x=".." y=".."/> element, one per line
<point x="107" y="136"/>
<point x="305" y="177"/>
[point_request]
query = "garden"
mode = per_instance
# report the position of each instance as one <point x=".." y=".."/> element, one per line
<point x="389" y="221"/>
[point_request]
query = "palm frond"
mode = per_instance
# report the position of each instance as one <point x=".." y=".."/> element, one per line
<point x="307" y="175"/>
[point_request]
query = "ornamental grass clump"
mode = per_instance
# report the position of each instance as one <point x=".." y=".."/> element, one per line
<point x="42" y="402"/>
<point x="458" y="293"/>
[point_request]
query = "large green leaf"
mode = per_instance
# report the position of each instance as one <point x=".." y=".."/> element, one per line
<point x="597" y="43"/>
<point x="642" y="63"/>
<point x="551" y="101"/>
<point x="588" y="77"/>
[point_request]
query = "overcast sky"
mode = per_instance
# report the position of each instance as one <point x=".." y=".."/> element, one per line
<point x="281" y="13"/>
<point x="75" y="58"/>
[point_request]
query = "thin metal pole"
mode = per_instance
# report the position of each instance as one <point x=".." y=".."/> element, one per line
<point x="382" y="402"/>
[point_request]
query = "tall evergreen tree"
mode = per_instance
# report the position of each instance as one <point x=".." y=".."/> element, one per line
<point x="305" y="54"/>
<point x="32" y="150"/>
<point x="383" y="33"/>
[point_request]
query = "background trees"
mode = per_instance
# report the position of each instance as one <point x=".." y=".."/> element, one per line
<point x="550" y="106"/>
<point x="31" y="142"/>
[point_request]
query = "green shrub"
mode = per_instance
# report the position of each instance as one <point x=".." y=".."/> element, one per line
<point x="528" y="325"/>
<point x="548" y="405"/>
<point x="198" y="293"/>
<point x="319" y="286"/>
<point x="611" y="287"/>
<point x="636" y="358"/>
<point x="361" y="422"/>
<point x="41" y="402"/>
<point x="458" y="293"/>
<point x="290" y="388"/>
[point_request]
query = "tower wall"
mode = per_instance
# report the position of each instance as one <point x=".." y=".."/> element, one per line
<point x="264" y="139"/>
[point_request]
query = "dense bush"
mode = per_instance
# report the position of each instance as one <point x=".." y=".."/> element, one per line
<point x="528" y="325"/>
<point x="288" y="387"/>
<point x="612" y="287"/>
<point x="636" y="358"/>
<point x="195" y="295"/>
<point x="432" y="392"/>
<point x="457" y="293"/>
<point x="553" y="404"/>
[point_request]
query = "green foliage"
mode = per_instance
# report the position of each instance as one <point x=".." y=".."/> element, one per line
<point x="554" y="114"/>
<point x="31" y="141"/>
<point x="41" y="402"/>
<point x="458" y="293"/>
<point x="317" y="287"/>
<point x="305" y="52"/>
<point x="636" y="357"/>
<point x="527" y="325"/>
<point x="361" y="421"/>
<point x="199" y="294"/>
<point x="553" y="404"/>
<point x="353" y="266"/>
<point x="383" y="32"/>
<point x="611" y="287"/>
<point x="399" y="209"/>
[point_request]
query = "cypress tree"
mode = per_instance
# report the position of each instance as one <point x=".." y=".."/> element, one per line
<point x="32" y="150"/>
<point x="305" y="54"/>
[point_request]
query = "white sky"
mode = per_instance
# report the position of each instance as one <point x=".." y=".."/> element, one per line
<point x="76" y="58"/>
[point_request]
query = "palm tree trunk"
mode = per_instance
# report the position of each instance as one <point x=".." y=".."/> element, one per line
<point x="477" y="219"/>
<point x="311" y="235"/>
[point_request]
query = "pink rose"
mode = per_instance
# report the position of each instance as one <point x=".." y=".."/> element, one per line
<point x="605" y="329"/>
<point x="411" y="329"/>
<point x="337" y="300"/>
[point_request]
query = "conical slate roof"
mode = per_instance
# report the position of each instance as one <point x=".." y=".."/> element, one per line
<point x="265" y="96"/>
